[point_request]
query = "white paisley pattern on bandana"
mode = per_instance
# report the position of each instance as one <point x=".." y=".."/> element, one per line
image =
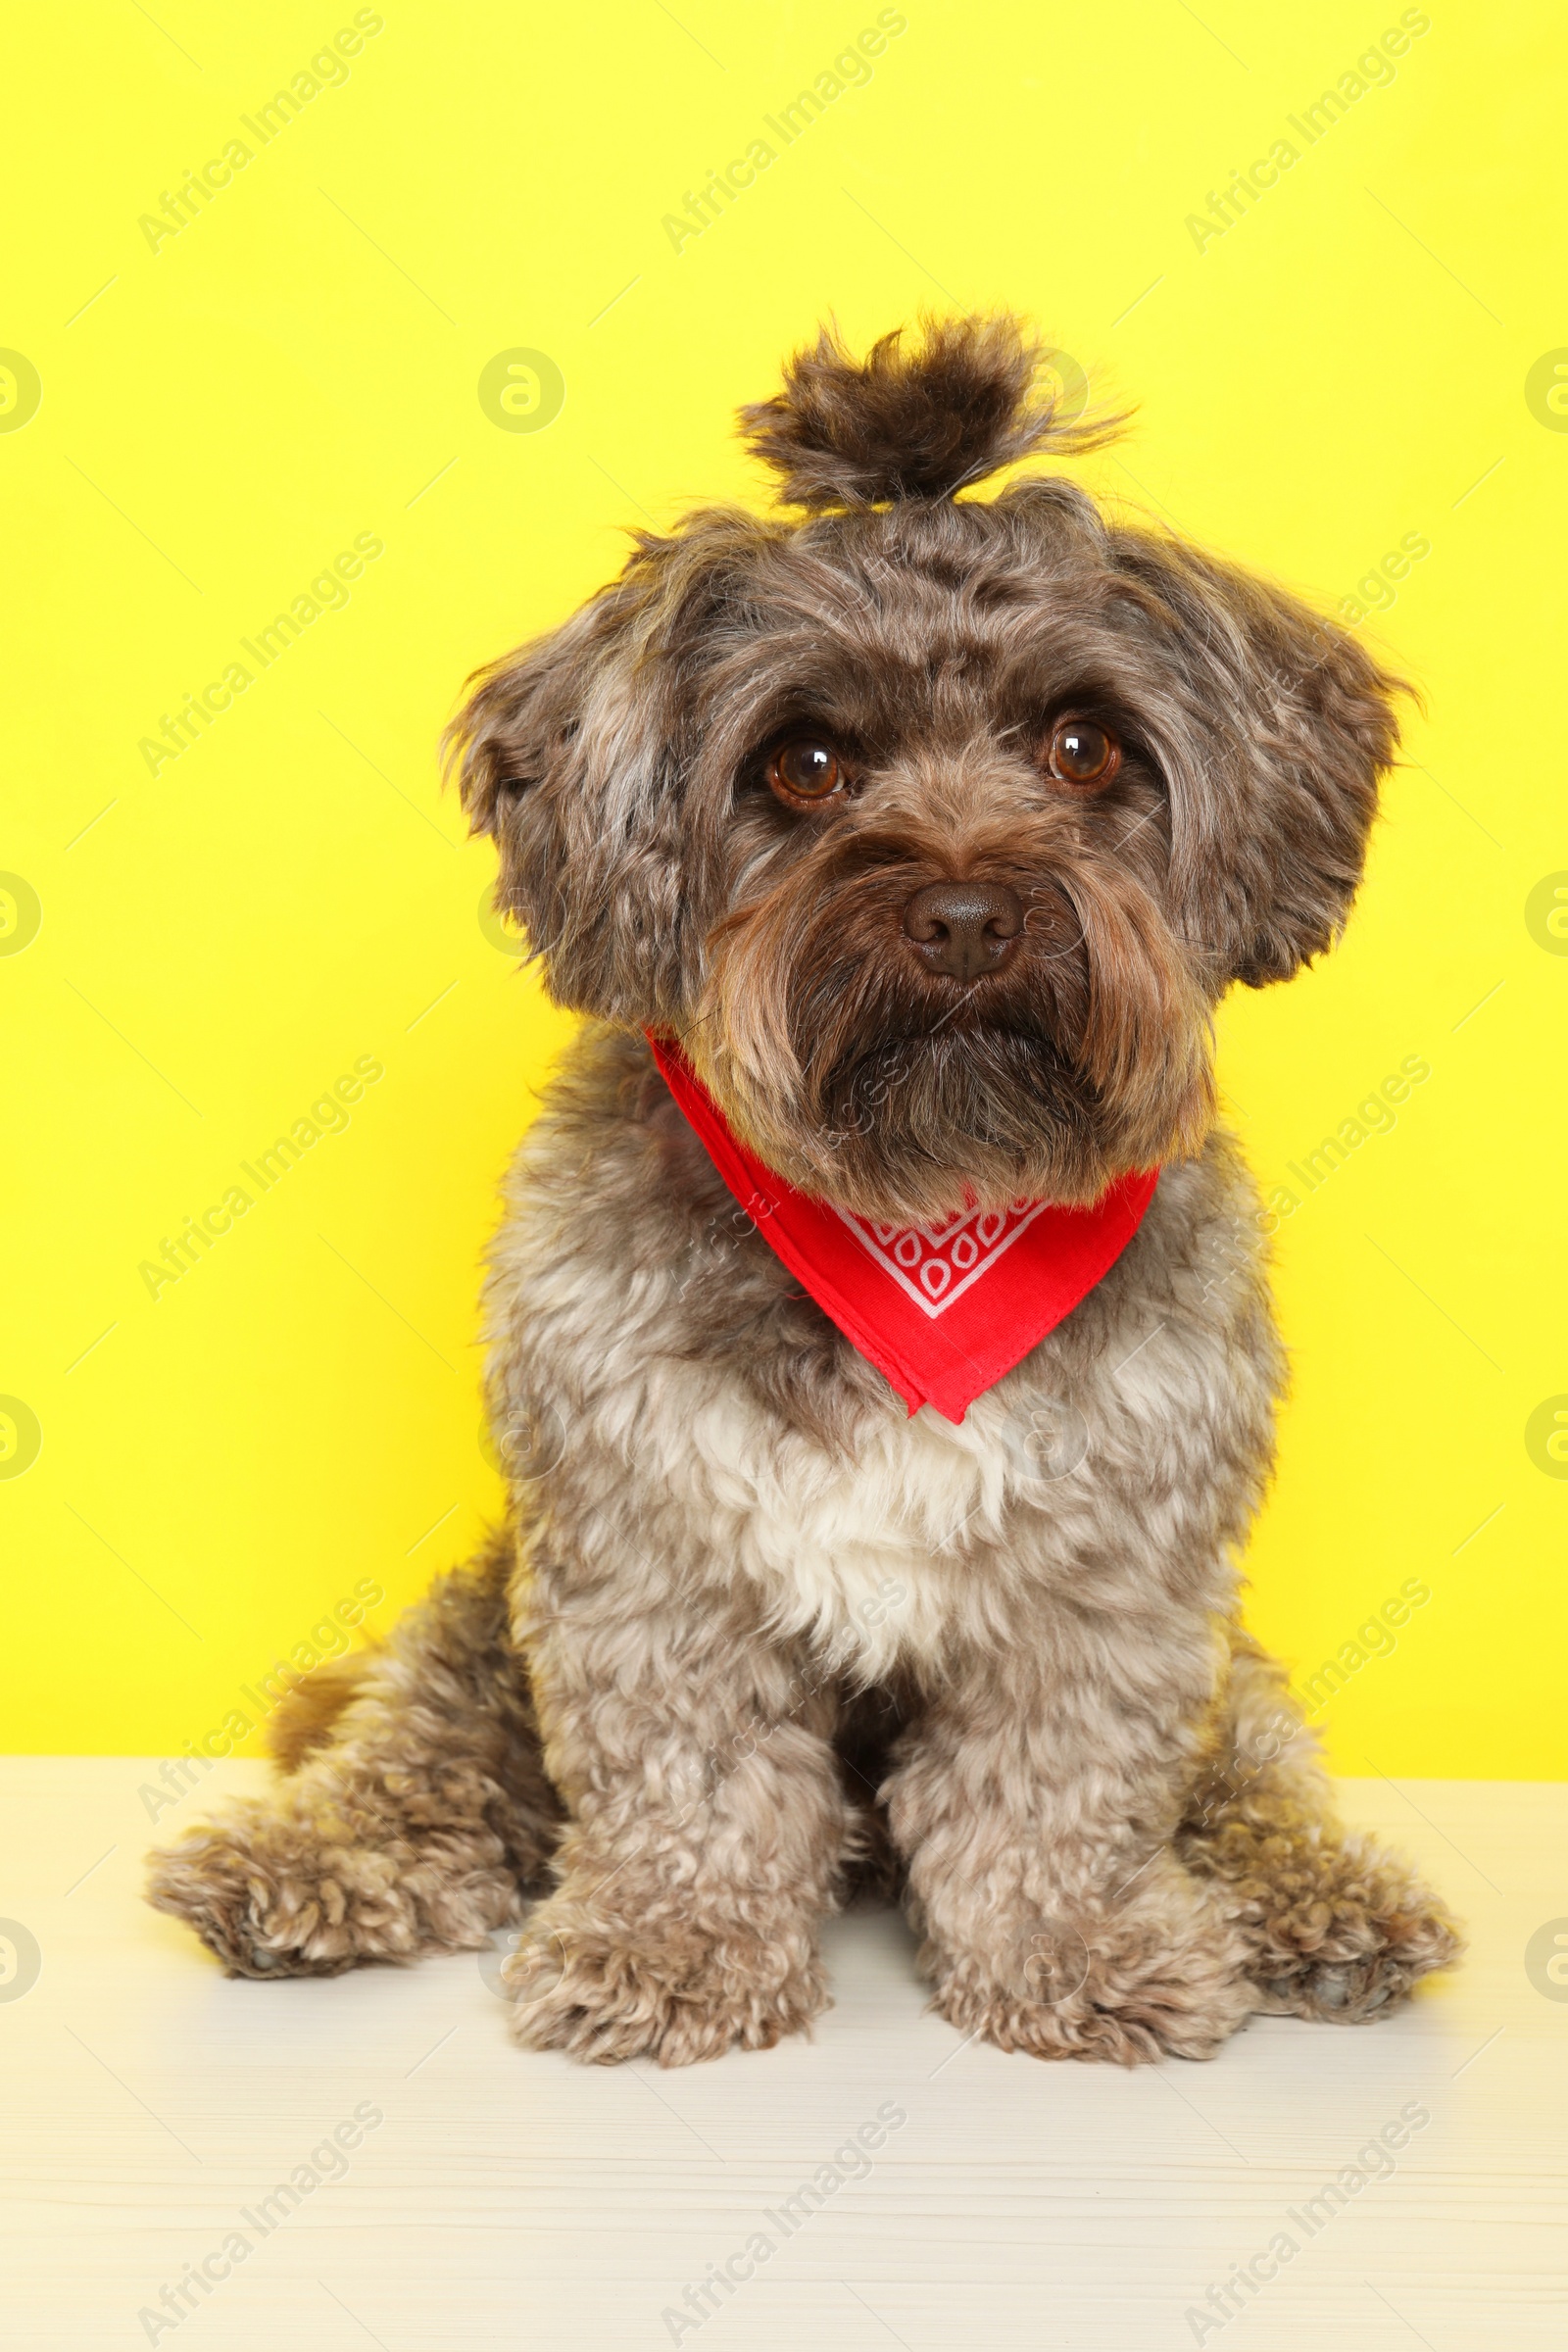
<point x="935" y="1264"/>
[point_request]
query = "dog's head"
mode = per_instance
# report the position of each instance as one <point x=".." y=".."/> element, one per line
<point x="933" y="828"/>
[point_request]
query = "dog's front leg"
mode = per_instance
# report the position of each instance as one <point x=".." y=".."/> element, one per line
<point x="1035" y="1809"/>
<point x="706" y="1827"/>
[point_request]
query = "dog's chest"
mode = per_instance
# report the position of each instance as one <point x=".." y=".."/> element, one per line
<point x="1105" y="1475"/>
<point x="867" y="1555"/>
<point x="1106" y="1485"/>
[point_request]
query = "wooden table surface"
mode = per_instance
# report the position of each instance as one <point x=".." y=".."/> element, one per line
<point x="151" y="2105"/>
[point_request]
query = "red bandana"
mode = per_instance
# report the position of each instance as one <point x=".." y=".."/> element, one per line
<point x="933" y="1306"/>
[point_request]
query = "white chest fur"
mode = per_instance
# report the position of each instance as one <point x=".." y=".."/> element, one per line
<point x="865" y="1556"/>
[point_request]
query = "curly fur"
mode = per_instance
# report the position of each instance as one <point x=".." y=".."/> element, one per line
<point x="1334" y="1927"/>
<point x="905" y="422"/>
<point x="307" y="1716"/>
<point x="753" y="1638"/>
<point x="415" y="1811"/>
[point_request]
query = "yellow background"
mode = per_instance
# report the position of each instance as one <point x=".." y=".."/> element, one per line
<point x="221" y="417"/>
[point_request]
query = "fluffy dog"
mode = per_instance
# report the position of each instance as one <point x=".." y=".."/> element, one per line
<point x="933" y="829"/>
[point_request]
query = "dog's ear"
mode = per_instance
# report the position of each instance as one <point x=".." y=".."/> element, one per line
<point x="1284" y="725"/>
<point x="558" y="754"/>
<point x="520" y="714"/>
<point x="911" y="420"/>
<point x="572" y="754"/>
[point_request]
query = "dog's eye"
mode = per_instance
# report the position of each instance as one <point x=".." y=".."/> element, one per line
<point x="806" y="769"/>
<point x="1082" y="752"/>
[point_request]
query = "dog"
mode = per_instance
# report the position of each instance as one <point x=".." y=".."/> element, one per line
<point x="897" y="847"/>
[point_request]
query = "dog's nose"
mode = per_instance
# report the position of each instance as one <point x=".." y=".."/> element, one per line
<point x="963" y="928"/>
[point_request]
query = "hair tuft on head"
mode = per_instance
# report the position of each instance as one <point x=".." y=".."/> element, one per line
<point x="913" y="422"/>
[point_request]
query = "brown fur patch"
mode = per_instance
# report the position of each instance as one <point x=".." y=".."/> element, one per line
<point x="306" y="1718"/>
<point x="904" y="423"/>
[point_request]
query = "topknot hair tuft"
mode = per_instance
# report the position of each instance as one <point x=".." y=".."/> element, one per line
<point x="918" y="422"/>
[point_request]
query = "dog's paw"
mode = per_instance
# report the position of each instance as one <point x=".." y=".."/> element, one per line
<point x="602" y="1995"/>
<point x="1124" y="1993"/>
<point x="1340" y="1934"/>
<point x="272" y="1901"/>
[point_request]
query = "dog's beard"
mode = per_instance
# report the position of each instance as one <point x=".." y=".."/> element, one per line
<point x="908" y="1127"/>
<point x="862" y="1079"/>
<point x="999" y="1101"/>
